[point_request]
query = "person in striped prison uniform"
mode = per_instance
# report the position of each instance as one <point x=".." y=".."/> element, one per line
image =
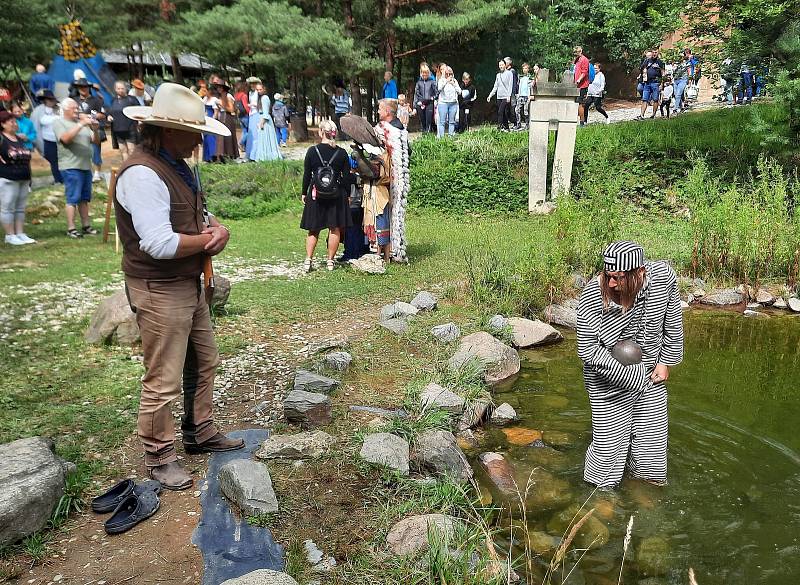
<point x="637" y="301"/>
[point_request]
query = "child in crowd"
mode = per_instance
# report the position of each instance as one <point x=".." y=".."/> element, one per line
<point x="404" y="110"/>
<point x="667" y="91"/>
<point x="280" y="116"/>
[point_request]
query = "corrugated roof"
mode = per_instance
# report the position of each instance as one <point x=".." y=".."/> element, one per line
<point x="156" y="58"/>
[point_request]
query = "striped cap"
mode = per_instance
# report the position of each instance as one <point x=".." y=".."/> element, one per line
<point x="623" y="256"/>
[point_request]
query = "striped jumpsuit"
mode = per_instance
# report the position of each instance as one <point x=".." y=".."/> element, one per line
<point x="629" y="412"/>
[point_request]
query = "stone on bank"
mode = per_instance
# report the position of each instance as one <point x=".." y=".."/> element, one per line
<point x="262" y="577"/>
<point x="498" y="360"/>
<point x="435" y="396"/>
<point x="410" y="536"/>
<point x="529" y="333"/>
<point x="304" y="445"/>
<point x="307" y="409"/>
<point x="437" y="453"/>
<point x="387" y="450"/>
<point x="312" y="382"/>
<point x="248" y="484"/>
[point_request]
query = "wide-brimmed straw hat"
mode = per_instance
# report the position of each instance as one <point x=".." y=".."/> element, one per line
<point x="253" y="79"/>
<point x="176" y="106"/>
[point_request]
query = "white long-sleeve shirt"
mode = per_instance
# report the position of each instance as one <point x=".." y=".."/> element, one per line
<point x="448" y="92"/>
<point x="597" y="86"/>
<point x="145" y="196"/>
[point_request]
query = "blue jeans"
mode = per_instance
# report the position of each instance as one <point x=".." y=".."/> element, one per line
<point x="77" y="185"/>
<point x="447" y="115"/>
<point x="680" y="87"/>
<point x="282" y="134"/>
<point x="96" y="158"/>
<point x="244" y="121"/>
<point x="650" y="92"/>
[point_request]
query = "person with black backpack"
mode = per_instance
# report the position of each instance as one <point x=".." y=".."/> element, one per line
<point x="326" y="185"/>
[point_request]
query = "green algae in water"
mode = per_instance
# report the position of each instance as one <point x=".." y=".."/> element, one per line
<point x="732" y="509"/>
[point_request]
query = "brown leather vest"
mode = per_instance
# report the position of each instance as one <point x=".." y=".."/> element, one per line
<point x="185" y="215"/>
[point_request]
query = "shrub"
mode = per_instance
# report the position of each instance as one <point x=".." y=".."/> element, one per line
<point x="254" y="189"/>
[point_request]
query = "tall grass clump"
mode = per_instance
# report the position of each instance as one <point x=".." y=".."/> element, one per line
<point x="745" y="231"/>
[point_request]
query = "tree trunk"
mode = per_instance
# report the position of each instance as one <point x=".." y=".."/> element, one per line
<point x="355" y="95"/>
<point x="388" y="14"/>
<point x="177" y="73"/>
<point x="371" y="114"/>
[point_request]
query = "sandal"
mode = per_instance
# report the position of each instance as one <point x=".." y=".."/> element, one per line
<point x="308" y="265"/>
<point x="331" y="264"/>
<point x="89" y="231"/>
<point x="75" y="234"/>
<point x="132" y="510"/>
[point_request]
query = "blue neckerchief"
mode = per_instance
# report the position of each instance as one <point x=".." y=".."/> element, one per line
<point x="181" y="168"/>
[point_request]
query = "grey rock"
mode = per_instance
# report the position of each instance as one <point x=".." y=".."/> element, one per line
<point x="313" y="553"/>
<point x="381" y="412"/>
<point x="424" y="301"/>
<point x="577" y="280"/>
<point x="312" y="382"/>
<point x="794" y="304"/>
<point x="327" y="344"/>
<point x="435" y="396"/>
<point x="474" y="413"/>
<point x="498" y="360"/>
<point x="446" y="333"/>
<point x="31" y="485"/>
<point x="398" y="310"/>
<point x="542" y="543"/>
<point x="503" y="415"/>
<point x="698" y="293"/>
<point x="410" y="536"/>
<point x="387" y="450"/>
<point x="338" y="360"/>
<point x="529" y="333"/>
<point x="369" y="263"/>
<point x="247" y="484"/>
<point x="113" y="322"/>
<point x="764" y="297"/>
<point x="437" y="453"/>
<point x="262" y="577"/>
<point x="780" y="303"/>
<point x="497" y="323"/>
<point x="722" y="297"/>
<point x="307" y="408"/>
<point x="561" y="315"/>
<point x="305" y="445"/>
<point x="685" y="305"/>
<point x="755" y="314"/>
<point x="222" y="292"/>
<point x="546" y="491"/>
<point x="571" y="303"/>
<point x="397" y="325"/>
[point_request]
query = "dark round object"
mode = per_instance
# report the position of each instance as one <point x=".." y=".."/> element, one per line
<point x="359" y="129"/>
<point x="627" y="352"/>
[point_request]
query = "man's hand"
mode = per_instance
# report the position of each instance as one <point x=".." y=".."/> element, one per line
<point x="303" y="198"/>
<point x="219" y="239"/>
<point x="660" y="374"/>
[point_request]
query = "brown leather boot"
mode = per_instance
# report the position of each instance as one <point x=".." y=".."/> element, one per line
<point x="218" y="442"/>
<point x="172" y="476"/>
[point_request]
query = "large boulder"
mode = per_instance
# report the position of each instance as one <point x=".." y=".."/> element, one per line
<point x="305" y="445"/>
<point x="561" y="315"/>
<point x="435" y="396"/>
<point x="247" y="484"/>
<point x="31" y="485"/>
<point x="312" y="382"/>
<point x="722" y="297"/>
<point x="410" y="536"/>
<point x="262" y="577"/>
<point x="529" y="333"/>
<point x="113" y="322"/>
<point x="424" y="301"/>
<point x="387" y="450"/>
<point x="307" y="409"/>
<point x="498" y="360"/>
<point x="437" y="453"/>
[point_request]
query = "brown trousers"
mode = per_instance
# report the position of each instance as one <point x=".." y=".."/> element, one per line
<point x="177" y="342"/>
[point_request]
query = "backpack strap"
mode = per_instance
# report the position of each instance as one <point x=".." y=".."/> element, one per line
<point x="316" y="149"/>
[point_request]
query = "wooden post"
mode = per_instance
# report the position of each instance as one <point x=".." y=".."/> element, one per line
<point x="112" y="184"/>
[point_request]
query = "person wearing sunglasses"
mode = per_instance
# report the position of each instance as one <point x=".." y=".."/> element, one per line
<point x="630" y="304"/>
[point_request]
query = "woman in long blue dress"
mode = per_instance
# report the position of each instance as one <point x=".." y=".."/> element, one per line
<point x="209" y="140"/>
<point x="266" y="143"/>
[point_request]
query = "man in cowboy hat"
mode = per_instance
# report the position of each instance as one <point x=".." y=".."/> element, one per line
<point x="139" y="91"/>
<point x="166" y="237"/>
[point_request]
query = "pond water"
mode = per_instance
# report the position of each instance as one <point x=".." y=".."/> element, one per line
<point x="732" y="507"/>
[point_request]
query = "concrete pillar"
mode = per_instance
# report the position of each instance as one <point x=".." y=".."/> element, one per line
<point x="538" y="138"/>
<point x="562" y="161"/>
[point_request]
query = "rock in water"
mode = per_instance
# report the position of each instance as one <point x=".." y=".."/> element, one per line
<point x="547" y="491"/>
<point x="794" y="304"/>
<point x="369" y="263"/>
<point x="398" y="310"/>
<point x="503" y="415"/>
<point x="398" y="325"/>
<point x="528" y="333"/>
<point x="522" y="436"/>
<point x="262" y="577"/>
<point x="652" y="556"/>
<point x="498" y="360"/>
<point x="31" y="485"/>
<point x="247" y="484"/>
<point x="446" y="333"/>
<point x="543" y="543"/>
<point x="435" y="396"/>
<point x="437" y="453"/>
<point x="388" y="450"/>
<point x="305" y="445"/>
<point x="722" y="297"/>
<point x="424" y="301"/>
<point x="222" y="292"/>
<point x="307" y="408"/>
<point x="593" y="533"/>
<point x="338" y="360"/>
<point x="561" y="315"/>
<point x="410" y="536"/>
<point x="497" y="323"/>
<point x="500" y="472"/>
<point x="474" y="413"/>
<point x="113" y="321"/>
<point x="311" y="382"/>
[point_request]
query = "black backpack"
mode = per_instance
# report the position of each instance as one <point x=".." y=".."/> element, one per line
<point x="241" y="111"/>
<point x="327" y="179"/>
